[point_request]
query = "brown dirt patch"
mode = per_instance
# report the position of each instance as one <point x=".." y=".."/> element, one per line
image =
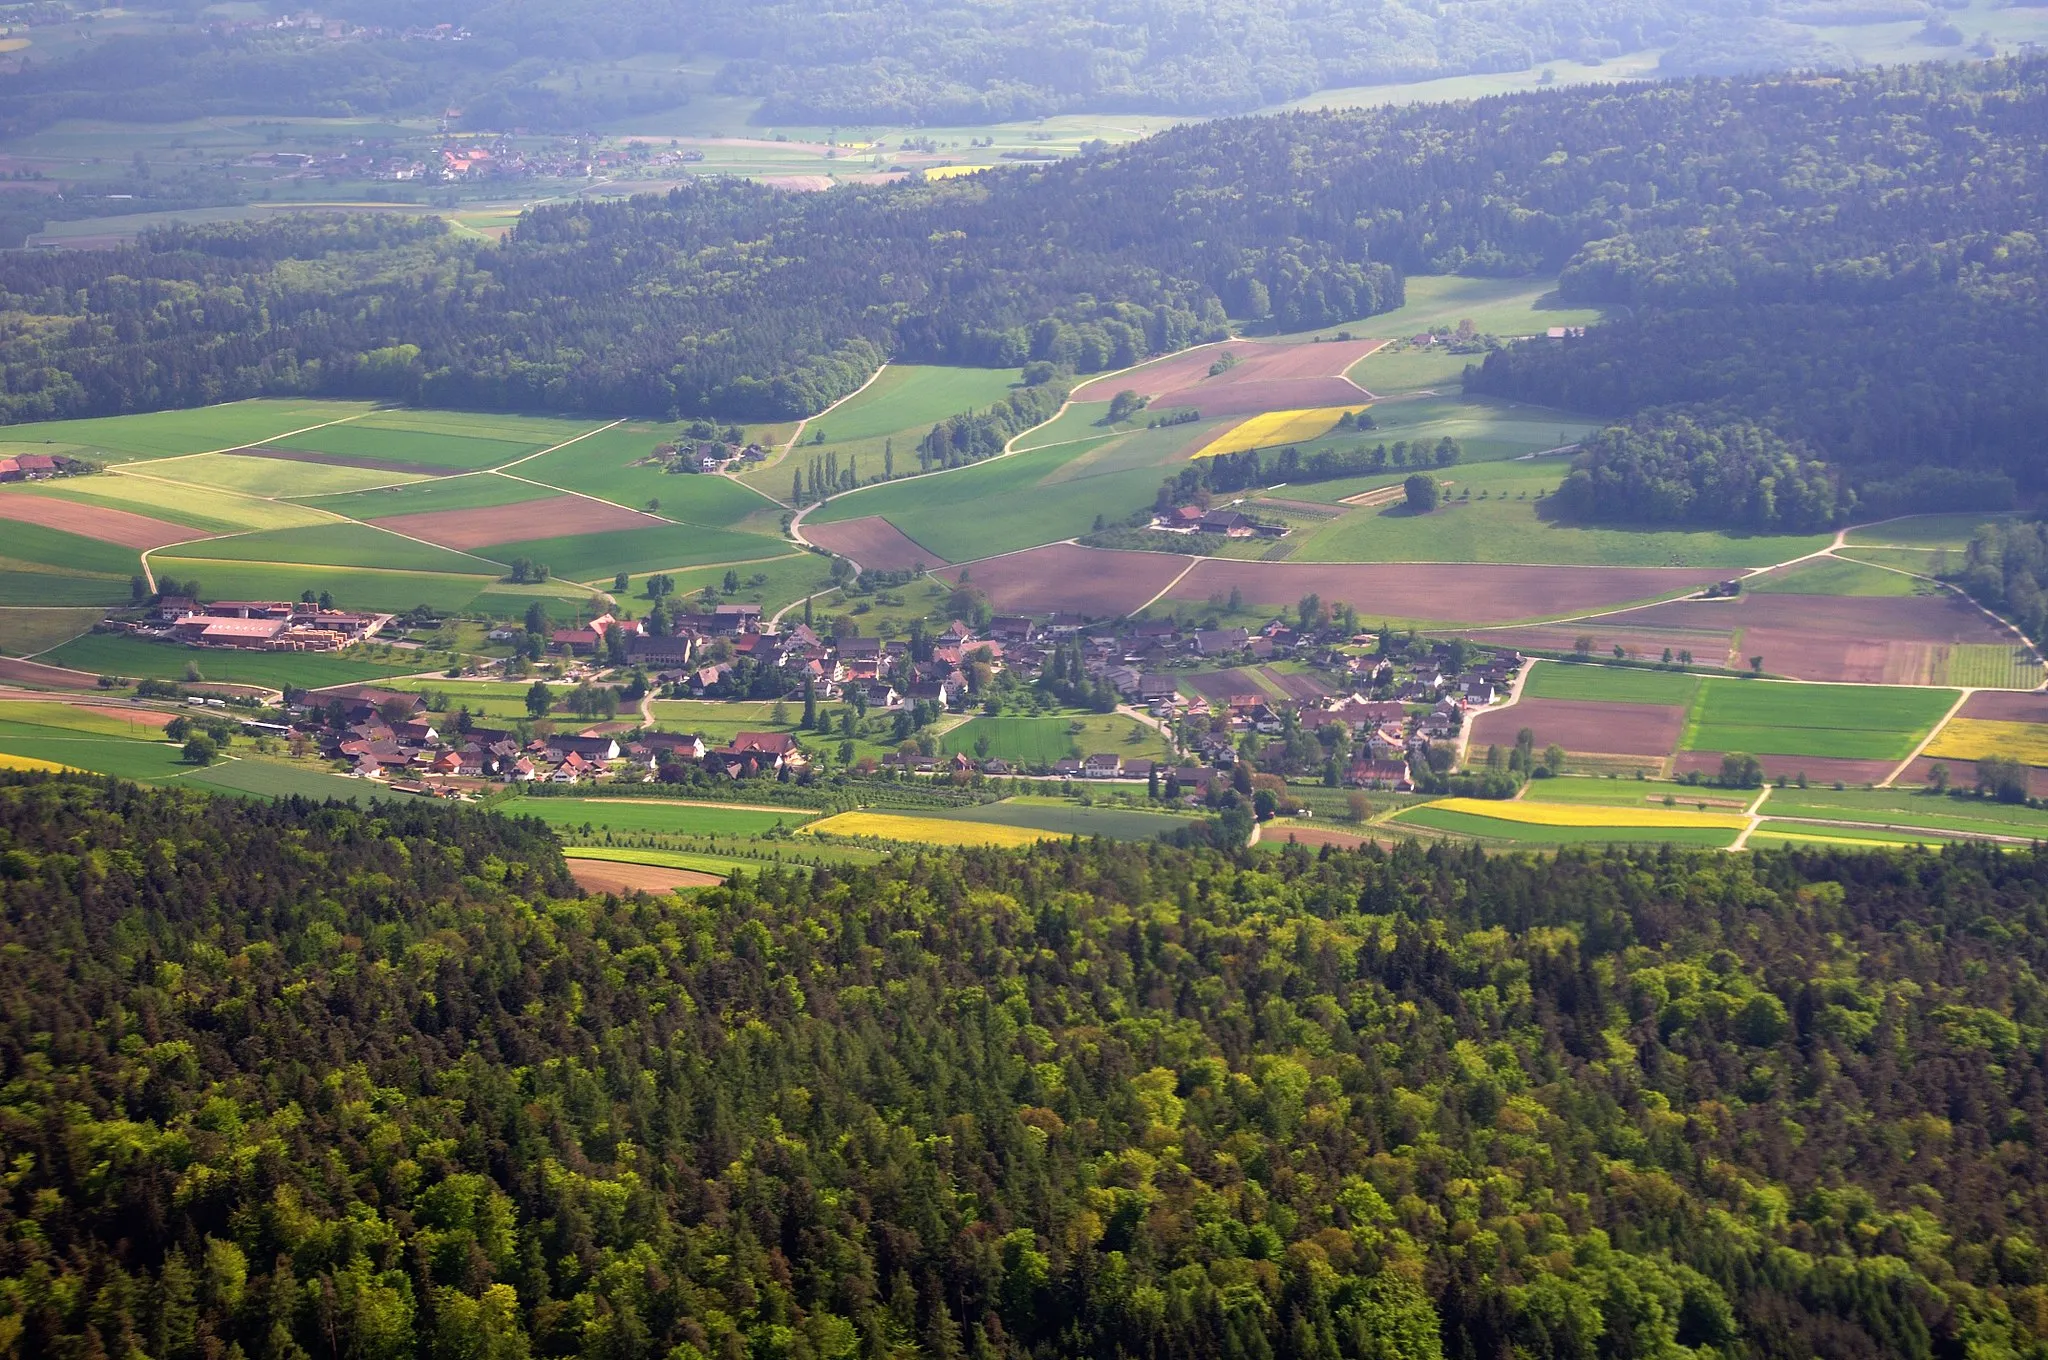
<point x="1066" y="578"/>
<point x="874" y="543"/>
<point x="602" y="876"/>
<point x="549" y="517"/>
<point x="141" y="717"/>
<point x="36" y="674"/>
<point x="2006" y="706"/>
<point x="1249" y="397"/>
<point x="1218" y="686"/>
<point x="1708" y="649"/>
<point x="1183" y="379"/>
<point x="92" y="521"/>
<point x="1846" y="639"/>
<point x="340" y="460"/>
<point x="1315" y="836"/>
<point x="1817" y="769"/>
<point x="1584" y="726"/>
<point x="1466" y="593"/>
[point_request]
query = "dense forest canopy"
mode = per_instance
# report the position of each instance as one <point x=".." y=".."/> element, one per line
<point x="289" y="1080"/>
<point x="902" y="62"/>
<point x="1838" y="240"/>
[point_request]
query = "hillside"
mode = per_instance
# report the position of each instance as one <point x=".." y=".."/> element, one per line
<point x="311" y="1080"/>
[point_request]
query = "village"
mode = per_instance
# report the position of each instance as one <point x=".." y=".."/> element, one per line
<point x="1374" y="711"/>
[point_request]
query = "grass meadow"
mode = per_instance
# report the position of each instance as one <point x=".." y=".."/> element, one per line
<point x="163" y="434"/>
<point x="135" y="658"/>
<point x="655" y="816"/>
<point x="1836" y="576"/>
<point x="1608" y="684"/>
<point x="336" y="544"/>
<point x="1848" y="722"/>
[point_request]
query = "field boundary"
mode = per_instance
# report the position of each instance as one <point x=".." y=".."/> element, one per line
<point x="1932" y="732"/>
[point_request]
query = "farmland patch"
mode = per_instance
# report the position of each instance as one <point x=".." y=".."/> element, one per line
<point x="874" y="543"/>
<point x="1848" y="722"/>
<point x="1064" y="577"/>
<point x="592" y="556"/>
<point x="1609" y="684"/>
<point x="483" y="526"/>
<point x="1585" y="727"/>
<point x="334" y="545"/>
<point x="94" y="522"/>
<point x="1467" y="593"/>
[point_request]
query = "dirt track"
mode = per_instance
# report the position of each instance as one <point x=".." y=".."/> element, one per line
<point x="873" y="542"/>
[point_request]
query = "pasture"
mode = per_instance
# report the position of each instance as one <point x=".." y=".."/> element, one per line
<point x="269" y="478"/>
<point x="138" y="490"/>
<point x="419" y="496"/>
<point x="910" y="397"/>
<point x="334" y="544"/>
<point x="27" y="546"/>
<point x="114" y="654"/>
<point x="1845" y="722"/>
<point x="597" y="557"/>
<point x="1439" y="302"/>
<point x="407" y="449"/>
<point x="164" y="434"/>
<point x="1608" y="684"/>
<point x="1836" y="576"/>
<point x="1922" y="531"/>
<point x="655" y="816"/>
<point x="1042" y="741"/>
<point x="782" y="580"/>
<point x="1402" y="372"/>
<point x="1902" y="807"/>
<point x="24" y="632"/>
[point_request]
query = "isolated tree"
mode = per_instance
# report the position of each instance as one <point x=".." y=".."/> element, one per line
<point x="1937" y="778"/>
<point x="539" y="699"/>
<point x="536" y="617"/>
<point x="619" y="582"/>
<point x="1756" y="665"/>
<point x="200" y="749"/>
<point x="1421" y="491"/>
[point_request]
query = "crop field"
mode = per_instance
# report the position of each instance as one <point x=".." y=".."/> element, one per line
<point x="533" y="432"/>
<point x="1975" y="738"/>
<point x="1847" y="722"/>
<point x="1021" y="741"/>
<point x="1275" y="428"/>
<point x="1908" y="808"/>
<point x="1438" y="302"/>
<point x="254" y="776"/>
<point x="1467" y="593"/>
<point x="655" y="816"/>
<point x="1400" y="372"/>
<point x="925" y="830"/>
<point x="112" y="654"/>
<point x="463" y="491"/>
<point x="1267" y="376"/>
<point x="911" y="397"/>
<point x="37" y="544"/>
<point x="210" y="509"/>
<point x="1992" y="665"/>
<point x="408" y="449"/>
<point x="591" y="557"/>
<point x="163" y="434"/>
<point x="24" y="632"/>
<point x="256" y="473"/>
<point x="874" y="543"/>
<point x="610" y="466"/>
<point x="1071" y="819"/>
<point x="1836" y="576"/>
<point x="103" y="524"/>
<point x="1706" y="830"/>
<point x="1608" y="684"/>
<point x="335" y="544"/>
<point x="784" y="580"/>
<point x="1532" y="812"/>
<point x="470" y="530"/>
<point x="1088" y="581"/>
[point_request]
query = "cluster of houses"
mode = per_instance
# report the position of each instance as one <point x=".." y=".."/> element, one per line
<point x="708" y="455"/>
<point x="1193" y="519"/>
<point x="40" y="467"/>
<point x="256" y="625"/>
<point x="390" y="735"/>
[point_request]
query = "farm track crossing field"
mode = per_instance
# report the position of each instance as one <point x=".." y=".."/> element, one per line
<point x="334" y="545"/>
<point x="874" y="543"/>
<point x="120" y="527"/>
<point x="1848" y="722"/>
<point x="464" y="491"/>
<point x="162" y="434"/>
<point x="1923" y="531"/>
<point x="595" y="556"/>
<point x="480" y="528"/>
<point x="538" y="432"/>
<point x="1091" y="582"/>
<point x="259" y="778"/>
<point x="1609" y="684"/>
<point x="1909" y="807"/>
<point x="27" y="631"/>
<point x="1836" y="576"/>
<point x="1398" y="372"/>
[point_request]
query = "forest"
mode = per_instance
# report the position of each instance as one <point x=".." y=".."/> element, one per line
<point x="294" y="1079"/>
<point x="910" y="62"/>
<point x="1849" y="262"/>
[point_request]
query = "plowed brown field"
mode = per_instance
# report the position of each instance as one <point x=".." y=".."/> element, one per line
<point x="1585" y="727"/>
<point x="1067" y="578"/>
<point x="874" y="543"/>
<point x="550" y="517"/>
<point x="599" y="876"/>
<point x="1851" y="639"/>
<point x="93" y="521"/>
<point x="1475" y="594"/>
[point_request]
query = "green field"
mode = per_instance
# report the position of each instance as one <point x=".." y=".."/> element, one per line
<point x="46" y="588"/>
<point x="138" y="490"/>
<point x="352" y="587"/>
<point x="1836" y="576"/>
<point x="334" y="544"/>
<point x="1608" y="684"/>
<point x="534" y="432"/>
<point x="161" y="434"/>
<point x="425" y="447"/>
<point x="24" y="632"/>
<point x="1504" y="521"/>
<point x="789" y="579"/>
<point x="597" y="557"/>
<point x="1991" y="665"/>
<point x="1636" y="793"/>
<point x="608" y="467"/>
<point x="1919" y="561"/>
<point x="113" y="654"/>
<point x="1493" y="306"/>
<point x="1910" y="807"/>
<point x="261" y="778"/>
<point x="269" y="478"/>
<point x="1068" y="818"/>
<point x="39" y="545"/>
<point x="1923" y="531"/>
<point x="1400" y="372"/>
<point x="1041" y="741"/>
<point x="911" y="397"/>
<point x="465" y="491"/>
<point x="655" y="816"/>
<point x="1850" y="722"/>
<point x="1528" y="834"/>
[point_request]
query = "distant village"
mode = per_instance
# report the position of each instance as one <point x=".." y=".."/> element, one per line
<point x="1389" y="715"/>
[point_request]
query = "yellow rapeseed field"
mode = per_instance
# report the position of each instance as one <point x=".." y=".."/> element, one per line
<point x="1585" y="814"/>
<point x="952" y="171"/>
<point x="1975" y="738"/>
<point x="1276" y="427"/>
<point x="8" y="762"/>
<point x="926" y="830"/>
